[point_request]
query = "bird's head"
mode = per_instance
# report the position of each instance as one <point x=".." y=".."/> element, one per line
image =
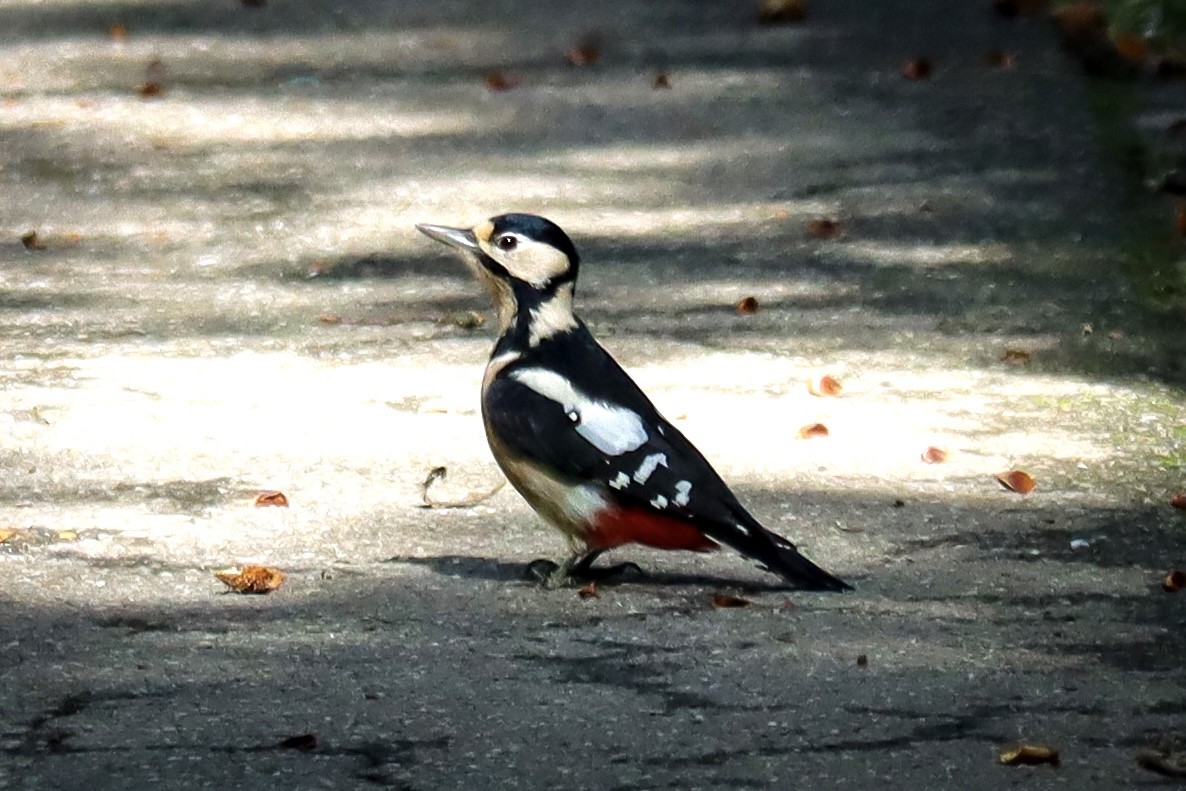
<point x="524" y="260"/>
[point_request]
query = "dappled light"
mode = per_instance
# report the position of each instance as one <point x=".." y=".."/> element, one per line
<point x="876" y="260"/>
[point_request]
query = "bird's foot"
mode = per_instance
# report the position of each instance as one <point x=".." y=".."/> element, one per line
<point x="550" y="575"/>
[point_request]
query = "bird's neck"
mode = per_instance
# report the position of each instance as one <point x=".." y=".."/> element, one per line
<point x="531" y="317"/>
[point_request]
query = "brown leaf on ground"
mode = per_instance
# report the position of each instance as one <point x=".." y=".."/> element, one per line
<point x="117" y="32"/>
<point x="1084" y="21"/>
<point x="154" y="80"/>
<point x="1174" y="581"/>
<point x="747" y="306"/>
<point x="588" y="590"/>
<point x="1017" y="481"/>
<point x="7" y="533"/>
<point x="824" y="228"/>
<point x="32" y="241"/>
<point x="918" y="68"/>
<point x="934" y="455"/>
<point x="329" y="318"/>
<point x="499" y="81"/>
<point x="998" y="59"/>
<point x="1028" y="755"/>
<point x="725" y="601"/>
<point x="661" y="82"/>
<point x="824" y="386"/>
<point x="1016" y="357"/>
<point x="1163" y="762"/>
<point x="1131" y="46"/>
<point x="251" y="579"/>
<point x="271" y="498"/>
<point x="304" y="741"/>
<point x="1178" y="500"/>
<point x="781" y="12"/>
<point x="813" y="430"/>
<point x="586" y="52"/>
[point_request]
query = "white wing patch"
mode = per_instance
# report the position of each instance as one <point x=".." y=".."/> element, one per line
<point x="648" y="467"/>
<point x="659" y="502"/>
<point x="683" y="491"/>
<point x="620" y="482"/>
<point x="613" y="430"/>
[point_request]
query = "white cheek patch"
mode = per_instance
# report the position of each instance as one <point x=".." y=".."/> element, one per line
<point x="648" y="467"/>
<point x="613" y="430"/>
<point x="683" y="491"/>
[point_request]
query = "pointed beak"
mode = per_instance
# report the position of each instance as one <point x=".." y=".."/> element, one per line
<point x="462" y="239"/>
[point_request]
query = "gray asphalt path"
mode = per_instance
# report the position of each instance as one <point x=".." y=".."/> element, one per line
<point x="230" y="298"/>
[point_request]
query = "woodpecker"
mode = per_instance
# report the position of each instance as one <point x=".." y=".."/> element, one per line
<point x="576" y="436"/>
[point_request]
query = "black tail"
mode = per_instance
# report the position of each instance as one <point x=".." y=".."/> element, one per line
<point x="775" y="554"/>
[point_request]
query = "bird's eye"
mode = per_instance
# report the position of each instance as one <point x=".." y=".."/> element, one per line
<point x="506" y="242"/>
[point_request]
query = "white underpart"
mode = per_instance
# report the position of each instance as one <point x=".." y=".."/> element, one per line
<point x="621" y="482"/>
<point x="613" y="430"/>
<point x="683" y="490"/>
<point x="582" y="503"/>
<point x="648" y="467"/>
<point x="659" y="502"/>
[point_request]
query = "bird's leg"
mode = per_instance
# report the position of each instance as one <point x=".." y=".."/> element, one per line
<point x="578" y="569"/>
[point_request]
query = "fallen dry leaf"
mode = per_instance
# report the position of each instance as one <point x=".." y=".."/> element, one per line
<point x="1017" y="481"/>
<point x="269" y="498"/>
<point x="726" y="601"/>
<point x="661" y="82"/>
<point x="813" y="430"/>
<point x="1028" y="755"/>
<point x="588" y="591"/>
<point x="1016" y="357"/>
<point x="1178" y="500"/>
<point x="997" y="59"/>
<point x="917" y="68"/>
<point x="824" y="386"/>
<point x="1163" y="762"/>
<point x="7" y="533"/>
<point x="1131" y="46"/>
<point x="329" y="318"/>
<point x="497" y="81"/>
<point x="1081" y="21"/>
<point x="1174" y="581"/>
<point x="251" y="579"/>
<point x="781" y="12"/>
<point x="933" y="455"/>
<point x="32" y="241"/>
<point x="747" y="306"/>
<point x="67" y="535"/>
<point x="154" y="80"/>
<point x="586" y="52"/>
<point x="304" y="741"/>
<point x="824" y="228"/>
<point x="118" y="32"/>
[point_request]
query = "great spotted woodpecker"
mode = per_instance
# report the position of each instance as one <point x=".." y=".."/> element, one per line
<point x="577" y="437"/>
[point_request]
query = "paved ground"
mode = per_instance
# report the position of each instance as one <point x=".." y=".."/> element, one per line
<point x="231" y="298"/>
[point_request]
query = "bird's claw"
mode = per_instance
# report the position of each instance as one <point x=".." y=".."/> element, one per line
<point x="551" y="575"/>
